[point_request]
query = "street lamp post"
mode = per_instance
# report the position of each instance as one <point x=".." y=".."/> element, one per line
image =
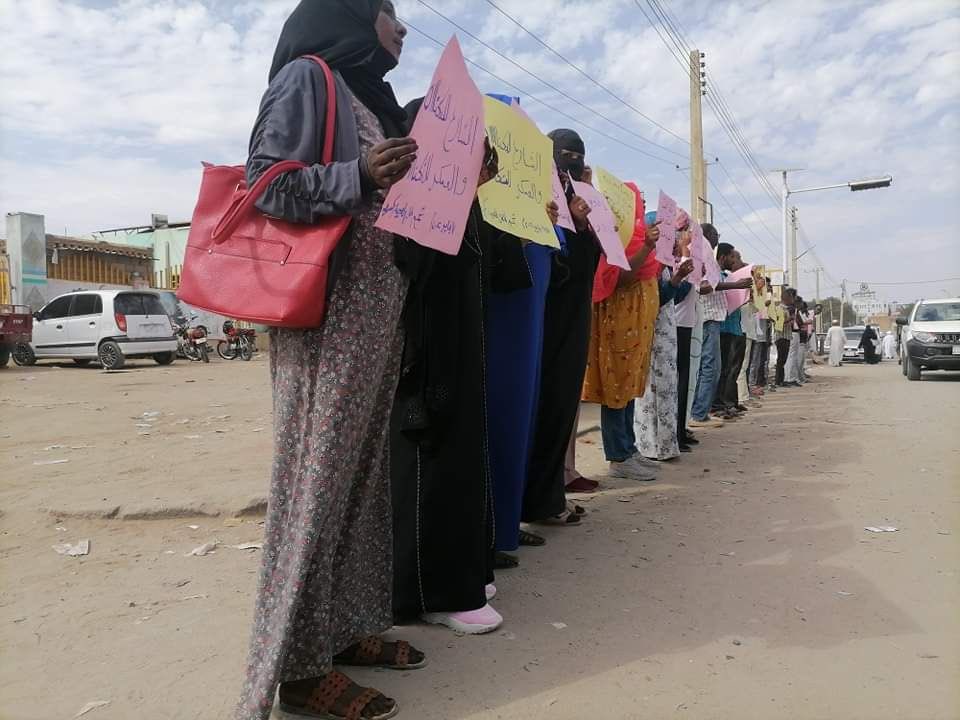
<point x="786" y="192"/>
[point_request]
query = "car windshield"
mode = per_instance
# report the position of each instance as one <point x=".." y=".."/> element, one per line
<point x="938" y="312"/>
<point x="853" y="335"/>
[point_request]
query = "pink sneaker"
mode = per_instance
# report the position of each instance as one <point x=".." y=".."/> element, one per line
<point x="474" y="622"/>
<point x="491" y="590"/>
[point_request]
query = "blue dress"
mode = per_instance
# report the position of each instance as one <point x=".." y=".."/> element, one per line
<point x="514" y="333"/>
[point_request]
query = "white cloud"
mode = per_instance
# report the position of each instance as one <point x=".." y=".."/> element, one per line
<point x="108" y="107"/>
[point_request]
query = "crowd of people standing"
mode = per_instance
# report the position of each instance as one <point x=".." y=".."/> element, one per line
<point x="426" y="430"/>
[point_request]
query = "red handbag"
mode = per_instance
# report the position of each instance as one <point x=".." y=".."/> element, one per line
<point x="248" y="266"/>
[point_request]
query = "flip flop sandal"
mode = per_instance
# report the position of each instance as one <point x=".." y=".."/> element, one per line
<point x="505" y="561"/>
<point x="564" y="519"/>
<point x="375" y="652"/>
<point x="336" y="689"/>
<point x="530" y="539"/>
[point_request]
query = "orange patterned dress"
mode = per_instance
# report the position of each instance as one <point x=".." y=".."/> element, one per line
<point x="621" y="343"/>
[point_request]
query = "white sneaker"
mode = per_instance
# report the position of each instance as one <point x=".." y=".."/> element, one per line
<point x="473" y="622"/>
<point x="645" y="468"/>
<point x="629" y="470"/>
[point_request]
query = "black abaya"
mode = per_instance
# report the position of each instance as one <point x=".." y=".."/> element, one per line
<point x="441" y="486"/>
<point x="566" y="343"/>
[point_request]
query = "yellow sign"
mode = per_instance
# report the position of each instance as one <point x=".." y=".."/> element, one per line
<point x="778" y="316"/>
<point x="516" y="200"/>
<point x="760" y="288"/>
<point x="621" y="200"/>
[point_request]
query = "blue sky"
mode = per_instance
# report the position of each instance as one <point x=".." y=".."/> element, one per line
<point x="109" y="107"/>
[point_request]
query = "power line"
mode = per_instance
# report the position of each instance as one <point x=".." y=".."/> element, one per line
<point x="547" y="105"/>
<point x="916" y="282"/>
<point x="674" y="25"/>
<point x="763" y="250"/>
<point x="686" y="68"/>
<point x="742" y="195"/>
<point x="726" y="224"/>
<point x="714" y="99"/>
<point x="547" y="83"/>
<point x="580" y="70"/>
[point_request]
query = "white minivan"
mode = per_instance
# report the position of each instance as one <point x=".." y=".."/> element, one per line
<point x="106" y="326"/>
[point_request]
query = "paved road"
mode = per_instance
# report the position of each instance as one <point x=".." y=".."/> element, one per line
<point x="742" y="585"/>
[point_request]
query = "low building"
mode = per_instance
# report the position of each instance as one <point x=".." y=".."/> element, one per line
<point x="38" y="267"/>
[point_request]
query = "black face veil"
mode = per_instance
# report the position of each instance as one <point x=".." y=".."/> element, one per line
<point x="343" y="33"/>
<point x="568" y="140"/>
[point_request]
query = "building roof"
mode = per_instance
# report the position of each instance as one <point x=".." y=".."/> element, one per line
<point x="61" y="242"/>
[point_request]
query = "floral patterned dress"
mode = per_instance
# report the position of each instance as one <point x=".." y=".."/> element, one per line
<point x="655" y="419"/>
<point x="621" y="340"/>
<point x="327" y="574"/>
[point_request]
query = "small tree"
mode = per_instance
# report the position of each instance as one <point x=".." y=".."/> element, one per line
<point x="831" y="311"/>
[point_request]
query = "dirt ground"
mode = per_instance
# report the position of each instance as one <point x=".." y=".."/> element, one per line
<point x="742" y="585"/>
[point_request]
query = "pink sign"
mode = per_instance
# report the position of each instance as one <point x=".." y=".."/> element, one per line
<point x="738" y="298"/>
<point x="667" y="216"/>
<point x="604" y="224"/>
<point x="431" y="204"/>
<point x="560" y="198"/>
<point x="711" y="268"/>
<point x="696" y="252"/>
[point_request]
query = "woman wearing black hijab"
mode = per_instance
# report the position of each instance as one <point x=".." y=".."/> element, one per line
<point x="441" y="481"/>
<point x="324" y="594"/>
<point x="868" y="341"/>
<point x="566" y="342"/>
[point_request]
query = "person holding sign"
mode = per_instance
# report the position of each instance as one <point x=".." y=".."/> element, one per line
<point x="655" y="421"/>
<point x="566" y="340"/>
<point x="325" y="579"/>
<point x="714" y="314"/>
<point x="440" y="482"/>
<point x="625" y="307"/>
<point x="733" y="341"/>
<point x="514" y="345"/>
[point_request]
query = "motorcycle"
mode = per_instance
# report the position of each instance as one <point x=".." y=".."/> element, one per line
<point x="192" y="342"/>
<point x="240" y="343"/>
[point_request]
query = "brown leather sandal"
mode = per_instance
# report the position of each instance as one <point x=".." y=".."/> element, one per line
<point x="335" y="697"/>
<point x="375" y="652"/>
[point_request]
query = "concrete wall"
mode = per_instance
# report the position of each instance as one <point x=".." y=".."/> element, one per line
<point x="27" y="248"/>
<point x="169" y="245"/>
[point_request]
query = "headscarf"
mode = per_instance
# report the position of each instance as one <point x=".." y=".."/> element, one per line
<point x="343" y="33"/>
<point x="568" y="140"/>
<point x="607" y="277"/>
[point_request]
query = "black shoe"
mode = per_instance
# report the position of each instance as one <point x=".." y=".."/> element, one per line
<point x="743" y="408"/>
<point x="689" y="439"/>
<point x="684" y="448"/>
<point x="505" y="561"/>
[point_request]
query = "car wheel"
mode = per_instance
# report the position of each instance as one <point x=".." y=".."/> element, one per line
<point x="111" y="357"/>
<point x="166" y="358"/>
<point x="81" y="362"/>
<point x="23" y="355"/>
<point x="913" y="370"/>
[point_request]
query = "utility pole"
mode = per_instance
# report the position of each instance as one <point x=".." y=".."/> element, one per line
<point x="794" y="277"/>
<point x="818" y="270"/>
<point x="698" y="168"/>
<point x="843" y="299"/>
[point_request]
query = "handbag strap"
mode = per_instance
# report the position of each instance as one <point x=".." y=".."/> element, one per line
<point x="245" y="202"/>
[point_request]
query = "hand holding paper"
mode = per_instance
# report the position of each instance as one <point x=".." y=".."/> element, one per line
<point x="667" y="213"/>
<point x="602" y="220"/>
<point x="430" y="203"/>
